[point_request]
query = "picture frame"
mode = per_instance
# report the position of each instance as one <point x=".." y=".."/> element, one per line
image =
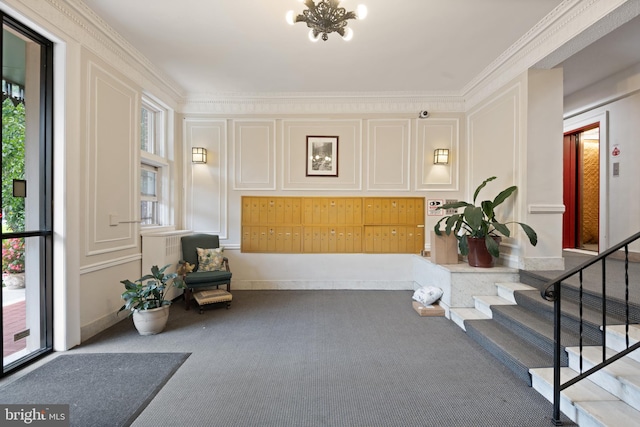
<point x="322" y="155"/>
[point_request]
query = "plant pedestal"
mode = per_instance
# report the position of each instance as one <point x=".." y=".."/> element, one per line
<point x="151" y="322"/>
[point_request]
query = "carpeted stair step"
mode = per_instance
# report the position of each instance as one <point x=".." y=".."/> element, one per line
<point x="462" y="314"/>
<point x="591" y="319"/>
<point x="513" y="351"/>
<point x="570" y="291"/>
<point x="506" y="290"/>
<point x="534" y="279"/>
<point x="535" y="329"/>
<point x="484" y="303"/>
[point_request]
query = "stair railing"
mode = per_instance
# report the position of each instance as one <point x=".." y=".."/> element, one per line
<point x="552" y="292"/>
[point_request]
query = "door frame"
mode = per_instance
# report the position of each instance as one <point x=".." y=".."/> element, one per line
<point x="44" y="231"/>
<point x="576" y="124"/>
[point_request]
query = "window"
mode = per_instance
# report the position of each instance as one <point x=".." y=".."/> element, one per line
<point x="154" y="165"/>
<point x="149" y="195"/>
<point x="147" y="131"/>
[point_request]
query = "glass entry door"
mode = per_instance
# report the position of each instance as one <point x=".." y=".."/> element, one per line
<point x="26" y="199"/>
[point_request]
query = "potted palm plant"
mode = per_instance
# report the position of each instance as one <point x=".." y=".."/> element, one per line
<point x="145" y="299"/>
<point x="477" y="229"/>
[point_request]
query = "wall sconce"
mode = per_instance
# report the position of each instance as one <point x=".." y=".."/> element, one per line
<point x="198" y="155"/>
<point x="441" y="156"/>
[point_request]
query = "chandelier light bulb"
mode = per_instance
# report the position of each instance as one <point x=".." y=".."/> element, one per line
<point x="362" y="11"/>
<point x="324" y="17"/>
<point x="290" y="18"/>
<point x="312" y="37"/>
<point x="348" y="34"/>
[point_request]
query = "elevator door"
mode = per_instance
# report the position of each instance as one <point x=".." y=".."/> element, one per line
<point x="581" y="189"/>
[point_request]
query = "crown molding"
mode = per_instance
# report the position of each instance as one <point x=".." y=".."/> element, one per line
<point x="519" y="46"/>
<point x="604" y="21"/>
<point x="321" y="103"/>
<point x="561" y="27"/>
<point x="572" y="23"/>
<point x="97" y="35"/>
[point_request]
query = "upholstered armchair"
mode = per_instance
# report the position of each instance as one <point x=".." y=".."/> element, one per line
<point x="211" y="268"/>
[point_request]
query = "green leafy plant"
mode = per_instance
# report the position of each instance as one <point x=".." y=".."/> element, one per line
<point x="13" y="135"/>
<point x="480" y="221"/>
<point x="150" y="290"/>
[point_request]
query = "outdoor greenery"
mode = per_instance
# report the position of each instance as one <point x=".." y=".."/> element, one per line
<point x="480" y="221"/>
<point x="13" y="134"/>
<point x="150" y="290"/>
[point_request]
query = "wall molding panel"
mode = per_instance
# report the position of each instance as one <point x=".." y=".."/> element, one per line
<point x="254" y="154"/>
<point x="111" y="263"/>
<point x="389" y="151"/>
<point x="110" y="161"/>
<point x="293" y="151"/>
<point x="431" y="134"/>
<point x="207" y="183"/>
<point x="494" y="150"/>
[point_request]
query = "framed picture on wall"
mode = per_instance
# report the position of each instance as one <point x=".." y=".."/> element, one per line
<point x="322" y="156"/>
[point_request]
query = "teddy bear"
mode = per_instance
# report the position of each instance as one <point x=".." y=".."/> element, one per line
<point x="185" y="268"/>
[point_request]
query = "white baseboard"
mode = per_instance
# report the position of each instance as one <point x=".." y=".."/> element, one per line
<point x="253" y="285"/>
<point x="99" y="325"/>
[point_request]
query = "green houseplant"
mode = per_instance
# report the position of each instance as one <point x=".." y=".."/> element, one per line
<point x="146" y="299"/>
<point x="477" y="228"/>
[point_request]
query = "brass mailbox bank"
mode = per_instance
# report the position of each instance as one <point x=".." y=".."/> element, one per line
<point x="332" y="224"/>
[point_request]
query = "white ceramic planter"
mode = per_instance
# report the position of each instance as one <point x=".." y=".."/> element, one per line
<point x="13" y="281"/>
<point x="151" y="322"/>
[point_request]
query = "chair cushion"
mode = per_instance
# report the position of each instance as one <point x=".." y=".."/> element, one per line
<point x="200" y="278"/>
<point x="193" y="241"/>
<point x="210" y="259"/>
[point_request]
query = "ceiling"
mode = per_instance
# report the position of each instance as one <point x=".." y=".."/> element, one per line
<point x="432" y="47"/>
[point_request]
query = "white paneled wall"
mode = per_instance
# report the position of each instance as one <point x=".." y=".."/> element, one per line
<point x="389" y="152"/>
<point x="207" y="183"/>
<point x="110" y="160"/>
<point x="431" y="134"/>
<point x="254" y="155"/>
<point x="294" y="154"/>
<point x="266" y="156"/>
<point x="495" y="138"/>
<point x="505" y="133"/>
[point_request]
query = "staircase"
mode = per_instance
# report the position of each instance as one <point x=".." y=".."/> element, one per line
<point x="516" y="326"/>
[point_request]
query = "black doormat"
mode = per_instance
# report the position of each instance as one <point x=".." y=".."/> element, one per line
<point x="101" y="389"/>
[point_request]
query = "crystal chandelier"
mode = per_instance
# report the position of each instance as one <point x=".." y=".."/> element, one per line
<point x="326" y="17"/>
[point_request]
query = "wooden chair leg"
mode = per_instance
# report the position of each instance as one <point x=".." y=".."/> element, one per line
<point x="187" y="298"/>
